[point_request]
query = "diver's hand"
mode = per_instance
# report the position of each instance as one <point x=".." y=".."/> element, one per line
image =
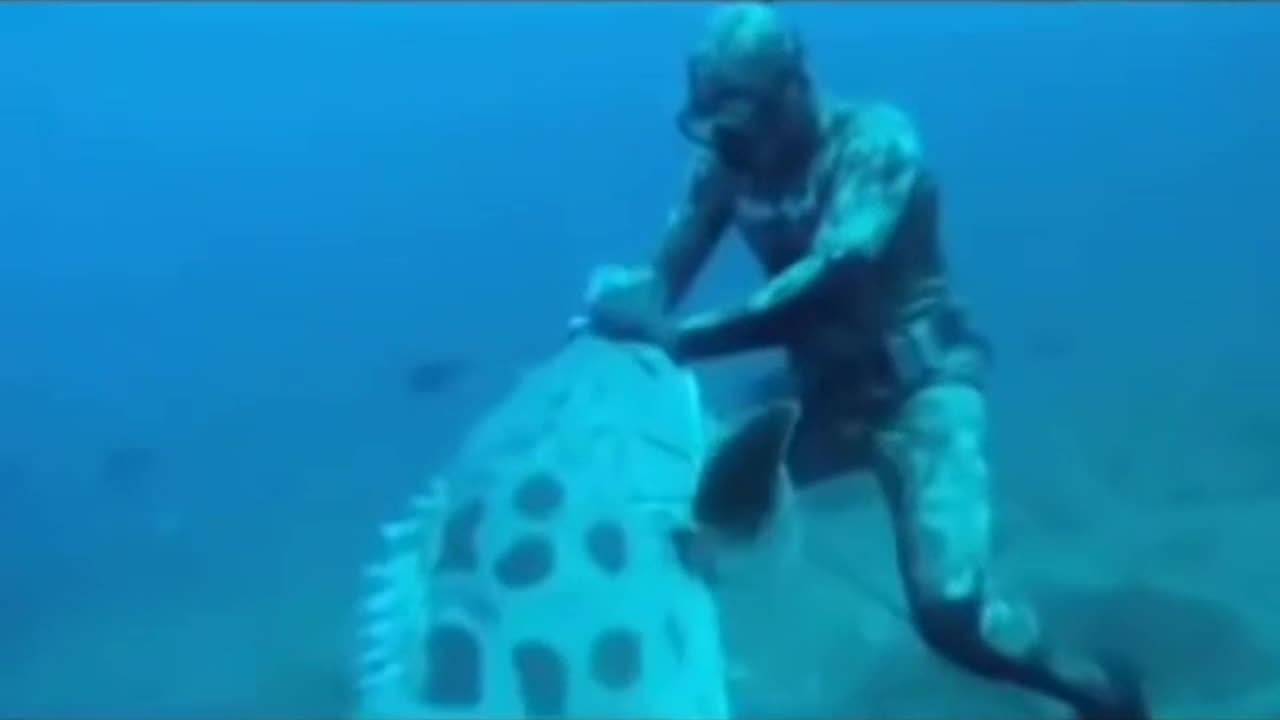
<point x="624" y="304"/>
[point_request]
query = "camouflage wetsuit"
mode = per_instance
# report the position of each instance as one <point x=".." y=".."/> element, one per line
<point x="844" y="221"/>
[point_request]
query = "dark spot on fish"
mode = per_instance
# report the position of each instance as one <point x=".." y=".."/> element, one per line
<point x="458" y="551"/>
<point x="539" y="496"/>
<point x="543" y="678"/>
<point x="527" y="562"/>
<point x="434" y="376"/>
<point x="454" y="668"/>
<point x="615" y="659"/>
<point x="675" y="637"/>
<point x="607" y="546"/>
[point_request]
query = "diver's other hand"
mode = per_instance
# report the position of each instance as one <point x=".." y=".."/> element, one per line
<point x="625" y="303"/>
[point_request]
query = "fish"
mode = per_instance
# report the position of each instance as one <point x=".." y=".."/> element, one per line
<point x="546" y="571"/>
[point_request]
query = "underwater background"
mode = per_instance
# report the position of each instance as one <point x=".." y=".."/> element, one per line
<point x="261" y="266"/>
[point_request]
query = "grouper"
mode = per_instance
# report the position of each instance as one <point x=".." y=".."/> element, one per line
<point x="562" y="563"/>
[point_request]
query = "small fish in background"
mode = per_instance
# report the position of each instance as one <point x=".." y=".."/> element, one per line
<point x="434" y="376"/>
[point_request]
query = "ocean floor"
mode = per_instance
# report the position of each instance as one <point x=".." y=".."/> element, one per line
<point x="1176" y="570"/>
<point x="1192" y="598"/>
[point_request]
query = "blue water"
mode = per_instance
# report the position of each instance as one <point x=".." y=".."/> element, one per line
<point x="228" y="232"/>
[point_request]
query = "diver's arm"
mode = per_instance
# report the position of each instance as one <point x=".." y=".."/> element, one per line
<point x="635" y="303"/>
<point x="693" y="230"/>
<point x="877" y="174"/>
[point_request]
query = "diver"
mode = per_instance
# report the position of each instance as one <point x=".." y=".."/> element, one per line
<point x="838" y="206"/>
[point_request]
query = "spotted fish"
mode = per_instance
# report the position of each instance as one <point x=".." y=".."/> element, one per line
<point x="547" y="572"/>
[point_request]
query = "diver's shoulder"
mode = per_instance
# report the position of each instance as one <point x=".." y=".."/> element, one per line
<point x="872" y="126"/>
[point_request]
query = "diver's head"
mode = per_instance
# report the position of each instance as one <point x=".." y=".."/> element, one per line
<point x="749" y="95"/>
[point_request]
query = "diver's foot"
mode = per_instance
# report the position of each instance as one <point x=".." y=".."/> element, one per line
<point x="1123" y="698"/>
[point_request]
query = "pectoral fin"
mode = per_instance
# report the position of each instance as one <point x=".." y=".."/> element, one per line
<point x="743" y="484"/>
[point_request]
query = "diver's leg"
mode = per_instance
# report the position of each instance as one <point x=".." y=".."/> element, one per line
<point x="936" y="479"/>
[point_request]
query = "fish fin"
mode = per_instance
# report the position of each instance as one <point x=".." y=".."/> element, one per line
<point x="743" y="486"/>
